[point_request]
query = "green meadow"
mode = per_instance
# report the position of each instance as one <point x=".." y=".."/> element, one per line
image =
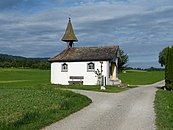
<point x="28" y="101"/>
<point x="24" y="78"/>
<point x="135" y="77"/>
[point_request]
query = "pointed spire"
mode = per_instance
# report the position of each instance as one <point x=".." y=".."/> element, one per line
<point x="69" y="35"/>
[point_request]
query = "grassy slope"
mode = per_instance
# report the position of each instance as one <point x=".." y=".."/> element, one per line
<point x="164" y="110"/>
<point x="141" y="78"/>
<point x="29" y="102"/>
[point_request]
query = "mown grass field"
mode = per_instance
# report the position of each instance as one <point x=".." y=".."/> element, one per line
<point x="24" y="78"/>
<point x="141" y="77"/>
<point x="164" y="110"/>
<point x="28" y="101"/>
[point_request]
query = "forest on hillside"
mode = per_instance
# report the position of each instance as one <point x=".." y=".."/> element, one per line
<point x="9" y="61"/>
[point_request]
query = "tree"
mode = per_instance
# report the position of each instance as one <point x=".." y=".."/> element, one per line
<point x="99" y="76"/>
<point x="169" y="69"/>
<point x="162" y="56"/>
<point x="122" y="63"/>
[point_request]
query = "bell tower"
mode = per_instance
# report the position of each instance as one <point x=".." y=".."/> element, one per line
<point x="69" y="36"/>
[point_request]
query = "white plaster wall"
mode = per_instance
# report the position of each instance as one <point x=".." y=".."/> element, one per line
<point x="54" y="73"/>
<point x="77" y="69"/>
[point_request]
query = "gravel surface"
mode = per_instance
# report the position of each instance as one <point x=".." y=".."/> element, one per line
<point x="128" y="110"/>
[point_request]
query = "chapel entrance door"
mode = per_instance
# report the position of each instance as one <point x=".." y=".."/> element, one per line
<point x="113" y="71"/>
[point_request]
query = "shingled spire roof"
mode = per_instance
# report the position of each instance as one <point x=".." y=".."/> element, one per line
<point x="69" y="35"/>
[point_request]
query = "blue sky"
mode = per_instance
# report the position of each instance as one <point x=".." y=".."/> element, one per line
<point x="34" y="28"/>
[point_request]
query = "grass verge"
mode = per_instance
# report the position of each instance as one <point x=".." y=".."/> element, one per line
<point x="164" y="110"/>
<point x="109" y="88"/>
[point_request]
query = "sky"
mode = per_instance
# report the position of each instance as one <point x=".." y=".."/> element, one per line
<point x="34" y="28"/>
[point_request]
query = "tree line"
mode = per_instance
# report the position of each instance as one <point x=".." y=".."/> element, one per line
<point x="9" y="61"/>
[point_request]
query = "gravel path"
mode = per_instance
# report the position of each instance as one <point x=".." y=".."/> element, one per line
<point x="128" y="110"/>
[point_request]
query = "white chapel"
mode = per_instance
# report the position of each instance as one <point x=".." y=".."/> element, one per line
<point x="78" y="65"/>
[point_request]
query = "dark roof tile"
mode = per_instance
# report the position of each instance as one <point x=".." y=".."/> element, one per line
<point x="87" y="54"/>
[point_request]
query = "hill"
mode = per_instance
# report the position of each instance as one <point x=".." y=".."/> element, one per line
<point x="8" y="61"/>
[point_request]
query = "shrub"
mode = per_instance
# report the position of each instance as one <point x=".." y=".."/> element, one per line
<point x="169" y="69"/>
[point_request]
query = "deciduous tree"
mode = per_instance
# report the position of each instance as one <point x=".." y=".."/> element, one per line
<point x="122" y="63"/>
<point x="162" y="56"/>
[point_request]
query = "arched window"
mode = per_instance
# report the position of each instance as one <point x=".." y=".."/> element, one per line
<point x="64" y="68"/>
<point x="90" y="67"/>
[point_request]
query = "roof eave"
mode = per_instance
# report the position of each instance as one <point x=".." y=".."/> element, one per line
<point x="79" y="60"/>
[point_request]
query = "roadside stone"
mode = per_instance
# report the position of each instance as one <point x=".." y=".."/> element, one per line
<point x="122" y="85"/>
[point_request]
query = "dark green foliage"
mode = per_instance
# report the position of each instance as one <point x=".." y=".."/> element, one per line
<point x="122" y="62"/>
<point x="8" y="61"/>
<point x="164" y="110"/>
<point x="162" y="56"/>
<point x="169" y="69"/>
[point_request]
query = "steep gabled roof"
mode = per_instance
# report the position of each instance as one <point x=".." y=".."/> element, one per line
<point x="69" y="33"/>
<point x="87" y="54"/>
